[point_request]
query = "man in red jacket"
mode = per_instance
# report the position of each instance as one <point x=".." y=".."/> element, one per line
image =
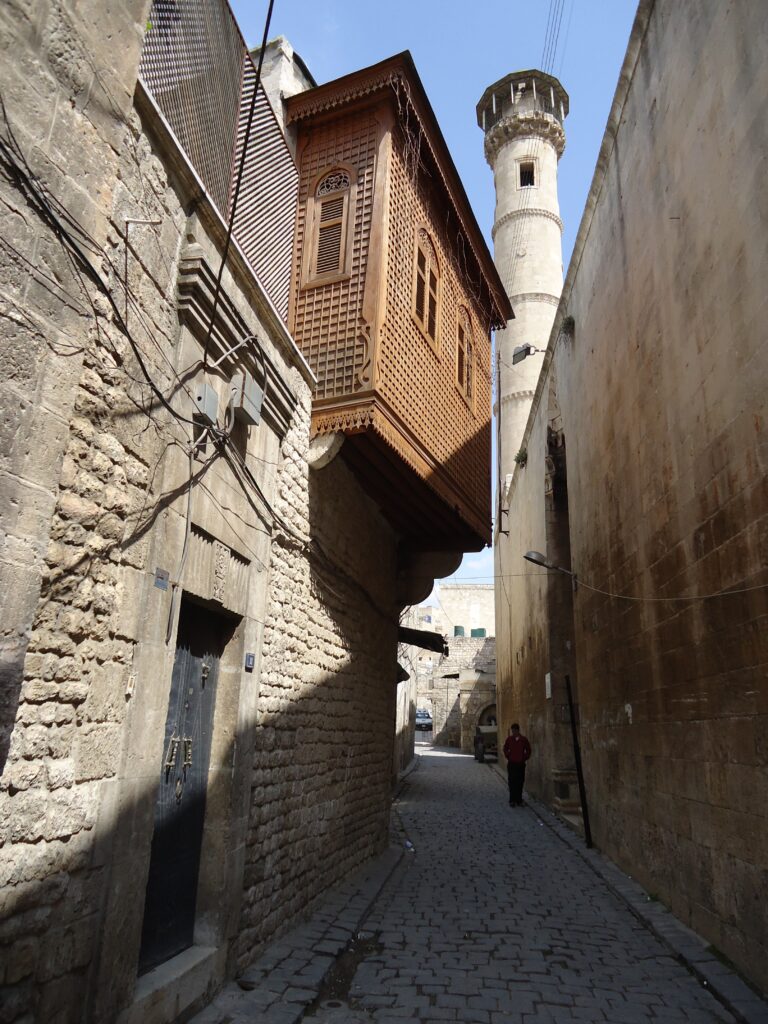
<point x="517" y="750"/>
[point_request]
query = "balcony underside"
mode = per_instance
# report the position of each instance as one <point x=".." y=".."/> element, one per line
<point x="420" y="501"/>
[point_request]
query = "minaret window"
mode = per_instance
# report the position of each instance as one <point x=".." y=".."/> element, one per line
<point x="426" y="286"/>
<point x="527" y="175"/>
<point x="330" y="219"/>
<point x="465" y="357"/>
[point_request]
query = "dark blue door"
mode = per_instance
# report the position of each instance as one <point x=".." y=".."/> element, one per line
<point x="169" y="909"/>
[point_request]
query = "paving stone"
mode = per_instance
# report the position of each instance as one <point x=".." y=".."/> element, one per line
<point x="495" y="919"/>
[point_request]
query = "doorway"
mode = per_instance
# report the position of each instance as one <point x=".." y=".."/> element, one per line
<point x="174" y="868"/>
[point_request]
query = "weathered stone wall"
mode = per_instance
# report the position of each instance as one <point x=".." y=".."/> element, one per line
<point x="405" y="725"/>
<point x="441" y="690"/>
<point x="659" y="393"/>
<point x="67" y="95"/>
<point x="98" y="483"/>
<point x="470" y="605"/>
<point x="323" y="749"/>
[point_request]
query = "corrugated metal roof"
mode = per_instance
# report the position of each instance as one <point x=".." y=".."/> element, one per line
<point x="266" y="208"/>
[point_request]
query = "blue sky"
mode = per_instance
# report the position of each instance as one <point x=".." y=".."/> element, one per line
<point x="460" y="48"/>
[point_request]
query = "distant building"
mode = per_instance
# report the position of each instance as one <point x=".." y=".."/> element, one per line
<point x="458" y="689"/>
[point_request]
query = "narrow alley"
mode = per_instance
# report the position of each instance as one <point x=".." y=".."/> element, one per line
<point x="491" y="918"/>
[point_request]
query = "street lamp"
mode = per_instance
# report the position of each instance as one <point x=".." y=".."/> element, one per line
<point x="521" y="352"/>
<point x="538" y="559"/>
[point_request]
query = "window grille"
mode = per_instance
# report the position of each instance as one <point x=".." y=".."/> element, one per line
<point x="425" y="302"/>
<point x="335" y="182"/>
<point x="465" y="356"/>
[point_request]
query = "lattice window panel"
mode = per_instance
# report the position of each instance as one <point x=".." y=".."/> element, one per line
<point x="192" y="64"/>
<point x="419" y="383"/>
<point x="196" y="66"/>
<point x="327" y="316"/>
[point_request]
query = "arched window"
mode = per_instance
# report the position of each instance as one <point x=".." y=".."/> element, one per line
<point x="465" y="356"/>
<point x="426" y="287"/>
<point x="330" y="216"/>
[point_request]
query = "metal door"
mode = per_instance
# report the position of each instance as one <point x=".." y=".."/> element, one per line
<point x="169" y="909"/>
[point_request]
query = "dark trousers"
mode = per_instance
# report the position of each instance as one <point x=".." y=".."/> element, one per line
<point x="516" y="779"/>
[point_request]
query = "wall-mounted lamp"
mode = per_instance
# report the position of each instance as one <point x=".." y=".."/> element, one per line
<point x="522" y="352"/>
<point x="538" y="559"/>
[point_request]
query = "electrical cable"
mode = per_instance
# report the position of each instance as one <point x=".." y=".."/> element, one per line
<point x="621" y="597"/>
<point x="238" y="182"/>
<point x="37" y="198"/>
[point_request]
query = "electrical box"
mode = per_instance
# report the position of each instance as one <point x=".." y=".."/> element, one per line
<point x="207" y="402"/>
<point x="247" y="397"/>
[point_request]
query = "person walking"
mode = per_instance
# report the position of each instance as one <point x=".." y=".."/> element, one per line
<point x="517" y="750"/>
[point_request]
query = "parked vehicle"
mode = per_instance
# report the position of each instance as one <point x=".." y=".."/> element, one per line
<point x="423" y="720"/>
<point x="486" y="742"/>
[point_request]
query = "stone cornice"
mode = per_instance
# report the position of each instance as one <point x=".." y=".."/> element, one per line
<point x="517" y="396"/>
<point x="552" y="300"/>
<point x="535" y="212"/>
<point x="533" y="125"/>
<point x="195" y="288"/>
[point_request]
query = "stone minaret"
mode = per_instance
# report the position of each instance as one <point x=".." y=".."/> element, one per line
<point x="522" y="116"/>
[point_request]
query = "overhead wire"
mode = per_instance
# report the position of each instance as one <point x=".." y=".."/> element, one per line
<point x="622" y="597"/>
<point x="238" y="183"/>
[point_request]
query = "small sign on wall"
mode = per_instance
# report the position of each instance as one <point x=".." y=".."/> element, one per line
<point x="548" y="685"/>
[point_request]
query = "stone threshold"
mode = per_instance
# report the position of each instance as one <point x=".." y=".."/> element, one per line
<point x="689" y="948"/>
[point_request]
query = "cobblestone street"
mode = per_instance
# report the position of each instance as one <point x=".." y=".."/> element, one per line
<point x="493" y="918"/>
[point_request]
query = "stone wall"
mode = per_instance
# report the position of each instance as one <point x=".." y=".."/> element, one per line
<point x="469" y="605"/>
<point x="68" y="104"/>
<point x="98" y="498"/>
<point x="441" y="691"/>
<point x="323" y="747"/>
<point x="647" y="448"/>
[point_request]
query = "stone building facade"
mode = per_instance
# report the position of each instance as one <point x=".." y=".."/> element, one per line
<point x="646" y="476"/>
<point x="200" y="604"/>
<point x="460" y="691"/>
<point x="458" y="688"/>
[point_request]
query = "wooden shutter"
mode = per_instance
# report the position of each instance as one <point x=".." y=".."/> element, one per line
<point x="432" y="320"/>
<point x="421" y="285"/>
<point x="329" y="235"/>
<point x="460" y="358"/>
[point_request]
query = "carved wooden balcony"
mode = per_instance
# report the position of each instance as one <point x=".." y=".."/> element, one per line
<point x="393" y="298"/>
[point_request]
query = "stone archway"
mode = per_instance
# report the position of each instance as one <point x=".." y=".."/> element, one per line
<point x="488" y="715"/>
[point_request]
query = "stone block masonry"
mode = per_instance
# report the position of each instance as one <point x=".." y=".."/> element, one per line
<point x="458" y="688"/>
<point x="319" y="802"/>
<point x="646" y="475"/>
<point x="97" y="477"/>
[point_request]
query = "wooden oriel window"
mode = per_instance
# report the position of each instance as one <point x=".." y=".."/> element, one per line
<point x="465" y="357"/>
<point x="330" y="221"/>
<point x="426" y="287"/>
